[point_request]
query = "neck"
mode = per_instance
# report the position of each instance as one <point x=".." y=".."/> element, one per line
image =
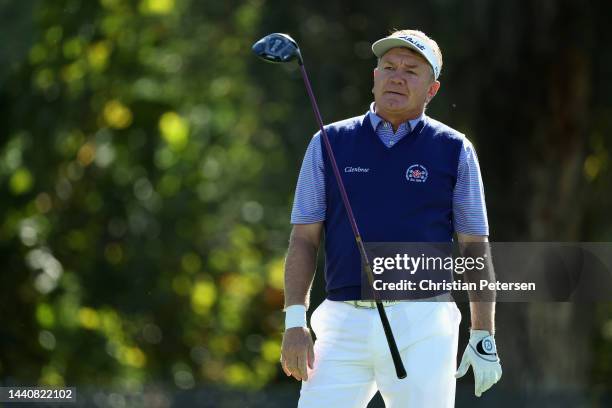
<point x="397" y="119"/>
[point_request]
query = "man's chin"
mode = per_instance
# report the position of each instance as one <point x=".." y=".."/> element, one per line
<point x="394" y="105"/>
<point x="394" y="98"/>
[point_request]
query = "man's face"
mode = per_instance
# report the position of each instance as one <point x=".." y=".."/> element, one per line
<point x="403" y="83"/>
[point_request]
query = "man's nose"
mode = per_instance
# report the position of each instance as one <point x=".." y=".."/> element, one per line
<point x="397" y="78"/>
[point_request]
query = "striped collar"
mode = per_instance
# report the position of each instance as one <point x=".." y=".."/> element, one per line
<point x="376" y="120"/>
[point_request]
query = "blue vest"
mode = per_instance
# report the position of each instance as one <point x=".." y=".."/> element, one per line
<point x="398" y="194"/>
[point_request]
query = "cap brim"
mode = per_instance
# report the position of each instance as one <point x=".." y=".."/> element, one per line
<point x="380" y="47"/>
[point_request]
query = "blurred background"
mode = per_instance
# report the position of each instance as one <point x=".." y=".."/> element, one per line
<point x="148" y="163"/>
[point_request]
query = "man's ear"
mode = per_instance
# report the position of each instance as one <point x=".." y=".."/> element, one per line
<point x="433" y="90"/>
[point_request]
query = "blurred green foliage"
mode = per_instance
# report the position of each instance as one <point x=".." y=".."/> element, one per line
<point x="134" y="233"/>
<point x="147" y="163"/>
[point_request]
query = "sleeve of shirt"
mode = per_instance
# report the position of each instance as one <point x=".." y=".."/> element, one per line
<point x="309" y="202"/>
<point x="469" y="207"/>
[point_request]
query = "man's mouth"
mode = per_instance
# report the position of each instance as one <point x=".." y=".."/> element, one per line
<point x="395" y="93"/>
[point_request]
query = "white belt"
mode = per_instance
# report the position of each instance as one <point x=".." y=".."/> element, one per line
<point x="366" y="304"/>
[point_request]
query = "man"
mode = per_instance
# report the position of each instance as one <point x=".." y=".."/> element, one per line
<point x="350" y="359"/>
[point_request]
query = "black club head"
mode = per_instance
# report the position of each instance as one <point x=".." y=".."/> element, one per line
<point x="277" y="48"/>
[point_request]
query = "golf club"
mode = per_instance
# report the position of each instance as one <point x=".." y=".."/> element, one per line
<point x="281" y="48"/>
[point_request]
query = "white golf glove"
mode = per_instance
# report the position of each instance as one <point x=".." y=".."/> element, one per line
<point x="481" y="354"/>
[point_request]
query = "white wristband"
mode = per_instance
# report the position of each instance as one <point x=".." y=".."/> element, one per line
<point x="295" y="316"/>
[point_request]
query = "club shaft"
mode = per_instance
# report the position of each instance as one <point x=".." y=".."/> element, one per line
<point x="332" y="159"/>
<point x="395" y="355"/>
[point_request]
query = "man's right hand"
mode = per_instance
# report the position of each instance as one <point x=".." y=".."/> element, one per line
<point x="297" y="353"/>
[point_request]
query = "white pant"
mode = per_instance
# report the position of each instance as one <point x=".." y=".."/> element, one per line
<point x="352" y="357"/>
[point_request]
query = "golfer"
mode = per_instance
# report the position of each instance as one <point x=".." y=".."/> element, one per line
<point x="409" y="178"/>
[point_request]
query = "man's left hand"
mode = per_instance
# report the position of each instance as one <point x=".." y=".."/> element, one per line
<point x="481" y="354"/>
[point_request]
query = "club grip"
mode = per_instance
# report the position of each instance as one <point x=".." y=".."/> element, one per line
<point x="395" y="355"/>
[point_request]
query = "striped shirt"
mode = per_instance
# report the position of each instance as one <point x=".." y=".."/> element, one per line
<point x="469" y="207"/>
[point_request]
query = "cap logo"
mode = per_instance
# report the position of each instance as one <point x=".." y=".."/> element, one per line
<point x="413" y="42"/>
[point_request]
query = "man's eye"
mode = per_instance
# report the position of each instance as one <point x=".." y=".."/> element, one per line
<point x="388" y="68"/>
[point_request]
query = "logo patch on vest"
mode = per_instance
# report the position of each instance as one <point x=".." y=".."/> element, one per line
<point x="416" y="173"/>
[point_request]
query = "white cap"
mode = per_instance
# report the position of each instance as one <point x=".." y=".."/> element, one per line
<point x="420" y="45"/>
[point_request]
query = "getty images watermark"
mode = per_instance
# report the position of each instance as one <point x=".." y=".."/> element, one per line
<point x="493" y="271"/>
<point x="413" y="264"/>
